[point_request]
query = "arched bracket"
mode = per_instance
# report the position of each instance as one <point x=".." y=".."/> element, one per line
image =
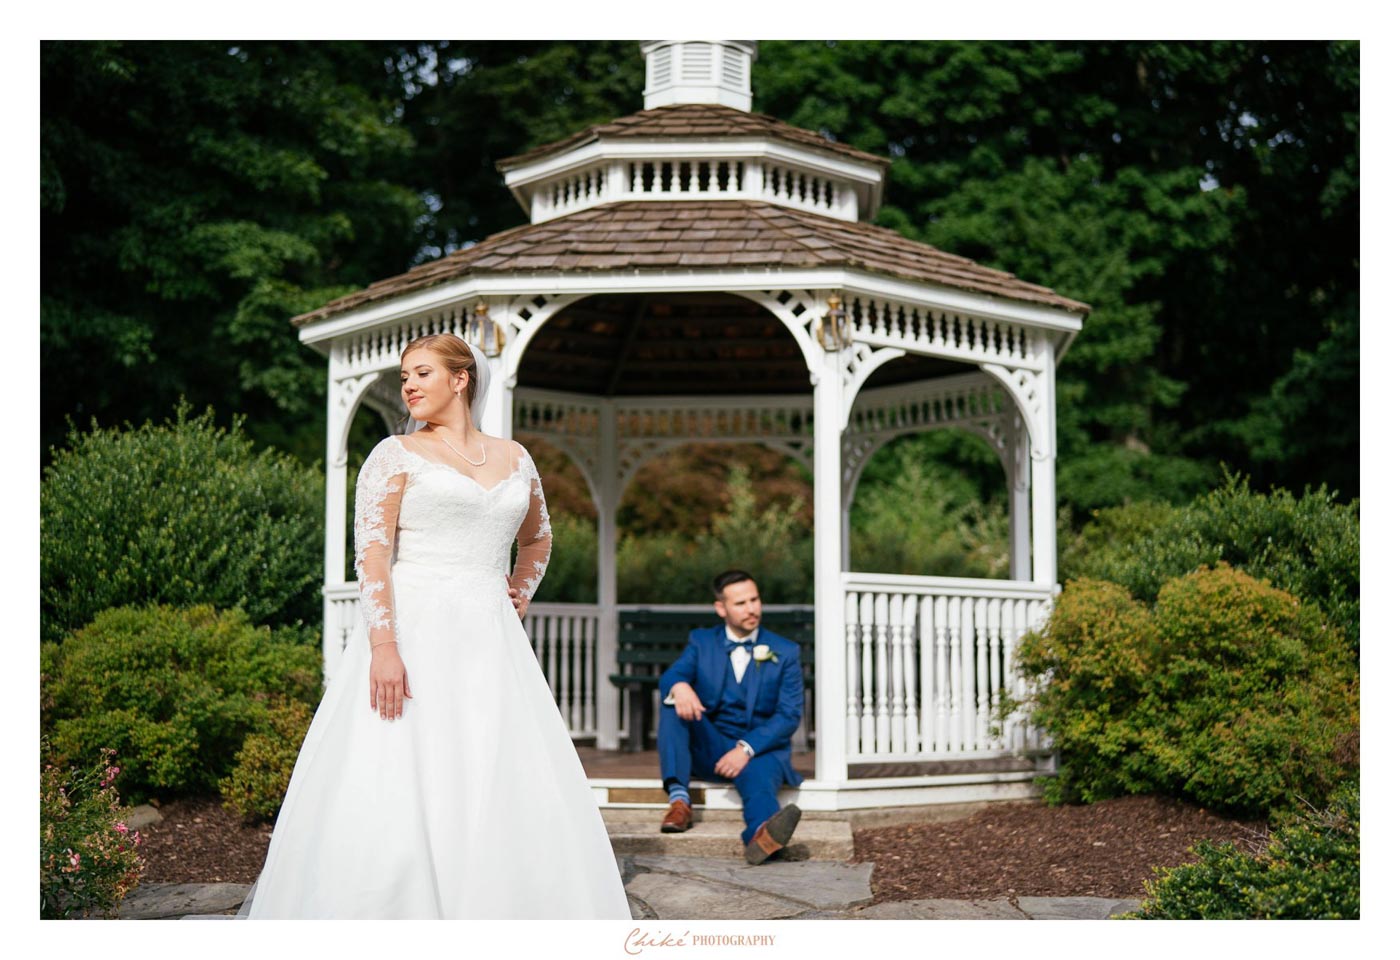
<point x="346" y="395"/>
<point x="862" y="363"/>
<point x="1027" y="391"/>
<point x="521" y="319"/>
<point x="794" y="309"/>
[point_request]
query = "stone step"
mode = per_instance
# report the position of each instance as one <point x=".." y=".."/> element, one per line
<point x="717" y="835"/>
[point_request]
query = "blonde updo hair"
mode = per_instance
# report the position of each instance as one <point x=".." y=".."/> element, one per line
<point x="455" y="355"/>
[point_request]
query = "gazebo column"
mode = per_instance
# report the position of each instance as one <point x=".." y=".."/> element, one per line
<point x="1018" y="499"/>
<point x="498" y="418"/>
<point x="608" y="485"/>
<point x="1042" y="470"/>
<point x="829" y="602"/>
<point x="342" y="399"/>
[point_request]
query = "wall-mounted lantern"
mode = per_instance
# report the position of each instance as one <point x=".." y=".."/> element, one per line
<point x="834" y="329"/>
<point x="484" y="333"/>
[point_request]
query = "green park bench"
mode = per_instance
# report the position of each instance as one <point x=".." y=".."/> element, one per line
<point x="649" y="641"/>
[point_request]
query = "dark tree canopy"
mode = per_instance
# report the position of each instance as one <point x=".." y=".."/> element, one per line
<point x="1203" y="196"/>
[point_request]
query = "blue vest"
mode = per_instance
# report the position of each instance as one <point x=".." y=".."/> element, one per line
<point x="729" y="715"/>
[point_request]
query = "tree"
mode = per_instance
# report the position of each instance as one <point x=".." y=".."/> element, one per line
<point x="193" y="197"/>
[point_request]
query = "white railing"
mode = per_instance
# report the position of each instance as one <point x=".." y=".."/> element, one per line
<point x="700" y="178"/>
<point x="928" y="661"/>
<point x="565" y="639"/>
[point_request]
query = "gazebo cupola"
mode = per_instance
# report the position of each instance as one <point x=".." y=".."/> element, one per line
<point x="696" y="140"/>
<point x="698" y="272"/>
<point x="699" y="71"/>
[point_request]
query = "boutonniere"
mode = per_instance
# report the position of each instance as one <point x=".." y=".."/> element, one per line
<point x="762" y="652"/>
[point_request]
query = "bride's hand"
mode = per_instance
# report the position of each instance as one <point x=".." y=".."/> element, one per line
<point x="521" y="603"/>
<point x="388" y="682"/>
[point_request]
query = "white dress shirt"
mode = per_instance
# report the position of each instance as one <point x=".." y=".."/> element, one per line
<point x="740" y="656"/>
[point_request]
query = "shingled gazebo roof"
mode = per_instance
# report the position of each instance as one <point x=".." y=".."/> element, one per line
<point x="702" y="234"/>
<point x="693" y="121"/>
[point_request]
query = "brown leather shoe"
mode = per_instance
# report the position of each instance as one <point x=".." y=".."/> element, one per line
<point x="677" y="819"/>
<point x="773" y="835"/>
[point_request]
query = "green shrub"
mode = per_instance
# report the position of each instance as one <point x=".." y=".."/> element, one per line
<point x="1310" y="869"/>
<point x="1093" y="661"/>
<point x="1230" y="693"/>
<point x="1308" y="546"/>
<point x="1259" y="691"/>
<point x="927" y="521"/>
<point x="174" y="691"/>
<point x="263" y="767"/>
<point x="87" y="856"/>
<point x="1096" y="549"/>
<point x="180" y="513"/>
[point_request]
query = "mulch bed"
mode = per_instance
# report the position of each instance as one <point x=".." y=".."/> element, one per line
<point x="1105" y="849"/>
<point x="201" y="842"/>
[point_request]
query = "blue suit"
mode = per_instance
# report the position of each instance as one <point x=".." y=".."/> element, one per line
<point x="763" y="710"/>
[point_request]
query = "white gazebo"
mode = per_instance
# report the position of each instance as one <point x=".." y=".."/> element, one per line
<point x="696" y="272"/>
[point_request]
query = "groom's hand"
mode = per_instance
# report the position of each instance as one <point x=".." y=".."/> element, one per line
<point x="732" y="763"/>
<point x="688" y="705"/>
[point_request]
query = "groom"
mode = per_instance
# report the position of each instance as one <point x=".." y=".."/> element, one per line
<point x="733" y="700"/>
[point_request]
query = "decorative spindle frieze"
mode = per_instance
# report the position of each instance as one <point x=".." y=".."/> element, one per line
<point x="692" y="178"/>
<point x="942" y="333"/>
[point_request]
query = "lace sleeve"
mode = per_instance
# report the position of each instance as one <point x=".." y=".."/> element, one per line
<point x="534" y="538"/>
<point x="378" y="490"/>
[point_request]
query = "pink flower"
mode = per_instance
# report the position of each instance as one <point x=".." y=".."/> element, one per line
<point x="75" y="859"/>
<point x="120" y="828"/>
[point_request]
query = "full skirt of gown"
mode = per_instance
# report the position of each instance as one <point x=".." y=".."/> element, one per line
<point x="473" y="804"/>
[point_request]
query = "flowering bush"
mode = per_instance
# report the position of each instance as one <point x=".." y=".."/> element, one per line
<point x="87" y="856"/>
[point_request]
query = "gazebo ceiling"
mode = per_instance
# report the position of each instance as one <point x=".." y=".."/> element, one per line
<point x="680" y="344"/>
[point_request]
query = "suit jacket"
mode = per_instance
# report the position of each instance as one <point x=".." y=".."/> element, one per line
<point x="775" y="694"/>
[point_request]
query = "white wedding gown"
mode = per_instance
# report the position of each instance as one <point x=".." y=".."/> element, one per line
<point x="474" y="803"/>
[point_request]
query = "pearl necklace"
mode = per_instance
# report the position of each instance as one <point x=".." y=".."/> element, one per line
<point x="475" y="463"/>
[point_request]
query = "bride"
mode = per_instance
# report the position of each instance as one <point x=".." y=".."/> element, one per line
<point x="437" y="778"/>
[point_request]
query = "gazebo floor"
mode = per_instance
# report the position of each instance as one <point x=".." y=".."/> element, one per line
<point x="646" y="764"/>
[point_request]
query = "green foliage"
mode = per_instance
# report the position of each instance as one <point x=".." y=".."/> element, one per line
<point x="263" y="767"/>
<point x="572" y="576"/>
<point x="1203" y="196"/>
<point x="87" y="856"/>
<point x="1093" y="550"/>
<point x="925" y="519"/>
<point x="180" y="513"/>
<point x="772" y="543"/>
<point x="194" y="196"/>
<point x="174" y="691"/>
<point x="1229" y="693"/>
<point x="1309" y="546"/>
<point x="1310" y="869"/>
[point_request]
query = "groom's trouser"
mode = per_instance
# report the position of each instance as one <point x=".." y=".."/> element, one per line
<point x="697" y="745"/>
